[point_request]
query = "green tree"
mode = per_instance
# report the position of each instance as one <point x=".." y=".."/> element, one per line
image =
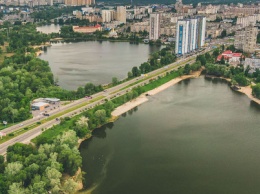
<point x="114" y="81"/>
<point x="70" y="186"/>
<point x="101" y="115"/>
<point x="16" y="188"/>
<point x="135" y="71"/>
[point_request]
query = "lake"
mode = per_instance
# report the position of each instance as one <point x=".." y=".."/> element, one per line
<point x="75" y="64"/>
<point x="196" y="137"/>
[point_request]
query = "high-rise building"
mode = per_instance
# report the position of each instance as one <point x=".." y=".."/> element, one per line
<point x="190" y="34"/>
<point x="121" y="14"/>
<point x="154" y="33"/>
<point x="108" y="15"/>
<point x="201" y="31"/>
<point x="79" y="2"/>
<point x="246" y="39"/>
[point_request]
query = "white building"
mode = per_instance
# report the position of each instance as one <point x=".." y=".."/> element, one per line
<point x="121" y="14"/>
<point x="154" y="26"/>
<point x="108" y="15"/>
<point x="252" y="63"/>
<point x="190" y="34"/>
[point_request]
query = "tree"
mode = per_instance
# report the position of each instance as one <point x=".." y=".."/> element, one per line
<point x="2" y="164"/>
<point x="16" y="188"/>
<point x="129" y="75"/>
<point x="100" y="115"/>
<point x="82" y="126"/>
<point x="256" y="91"/>
<point x="53" y="177"/>
<point x="70" y="159"/>
<point x="114" y="81"/>
<point x="38" y="187"/>
<point x="82" y="122"/>
<point x="222" y="61"/>
<point x="70" y="186"/>
<point x="215" y="53"/>
<point x="69" y="138"/>
<point x="135" y="71"/>
<point x="187" y="69"/>
<point x="13" y="169"/>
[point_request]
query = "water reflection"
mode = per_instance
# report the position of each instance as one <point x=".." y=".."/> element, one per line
<point x="195" y="143"/>
<point x="100" y="132"/>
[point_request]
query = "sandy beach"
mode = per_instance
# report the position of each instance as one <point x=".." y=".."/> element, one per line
<point x="129" y="105"/>
<point x="141" y="99"/>
<point x="248" y="91"/>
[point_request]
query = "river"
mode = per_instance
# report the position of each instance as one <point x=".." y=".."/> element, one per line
<point x="196" y="137"/>
<point x="75" y="64"/>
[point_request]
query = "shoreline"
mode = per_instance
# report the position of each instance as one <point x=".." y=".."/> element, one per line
<point x="142" y="98"/>
<point x="247" y="90"/>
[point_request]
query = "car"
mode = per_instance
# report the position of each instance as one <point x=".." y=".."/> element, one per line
<point x="88" y="97"/>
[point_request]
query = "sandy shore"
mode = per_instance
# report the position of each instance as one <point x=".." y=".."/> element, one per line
<point x="173" y="82"/>
<point x="248" y="91"/>
<point x="245" y="90"/>
<point x="38" y="53"/>
<point x="141" y="99"/>
<point x="129" y="105"/>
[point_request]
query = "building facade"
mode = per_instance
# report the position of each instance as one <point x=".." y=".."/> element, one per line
<point x="79" y="2"/>
<point x="190" y="34"/>
<point x="108" y="15"/>
<point x="121" y="14"/>
<point x="154" y="32"/>
<point x="246" y="39"/>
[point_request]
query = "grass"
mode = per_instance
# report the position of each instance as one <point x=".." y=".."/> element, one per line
<point x="49" y="135"/>
<point x="161" y="81"/>
<point x="150" y="76"/>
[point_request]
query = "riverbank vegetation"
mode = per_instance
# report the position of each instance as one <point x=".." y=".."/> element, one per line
<point x="30" y="169"/>
<point x="39" y="167"/>
<point x="239" y="75"/>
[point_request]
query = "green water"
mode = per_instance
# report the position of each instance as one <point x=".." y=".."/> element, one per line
<point x="196" y="137"/>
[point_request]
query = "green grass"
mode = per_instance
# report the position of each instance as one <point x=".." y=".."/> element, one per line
<point x="161" y="81"/>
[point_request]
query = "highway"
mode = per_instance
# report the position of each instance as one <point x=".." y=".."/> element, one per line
<point x="109" y="93"/>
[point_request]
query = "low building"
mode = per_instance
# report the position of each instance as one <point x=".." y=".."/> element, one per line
<point x="39" y="106"/>
<point x="252" y="63"/>
<point x="87" y="29"/>
<point x="52" y="100"/>
<point x="230" y="57"/>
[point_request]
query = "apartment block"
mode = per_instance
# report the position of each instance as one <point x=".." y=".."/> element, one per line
<point x="245" y="39"/>
<point x="154" y="26"/>
<point x="121" y="14"/>
<point x="190" y="34"/>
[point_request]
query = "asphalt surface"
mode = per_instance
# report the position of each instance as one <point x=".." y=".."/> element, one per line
<point x="109" y="93"/>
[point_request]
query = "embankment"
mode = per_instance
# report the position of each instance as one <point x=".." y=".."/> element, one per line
<point x="141" y="99"/>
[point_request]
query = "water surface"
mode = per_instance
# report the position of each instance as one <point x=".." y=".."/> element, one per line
<point x="195" y="137"/>
<point x="75" y="64"/>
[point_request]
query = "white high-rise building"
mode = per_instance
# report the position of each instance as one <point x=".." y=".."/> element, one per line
<point x="108" y="15"/>
<point x="121" y="14"/>
<point x="154" y="33"/>
<point x="190" y="34"/>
